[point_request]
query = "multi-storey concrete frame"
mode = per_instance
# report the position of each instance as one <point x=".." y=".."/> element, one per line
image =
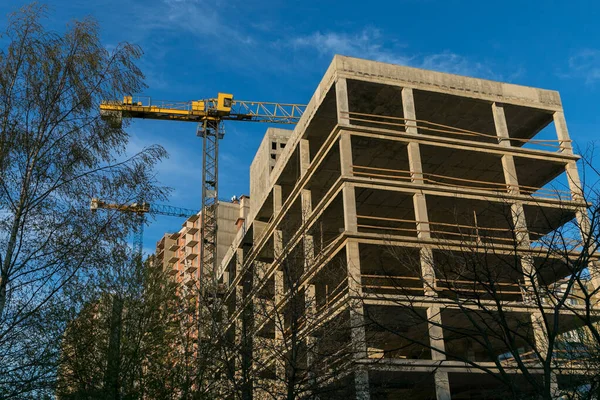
<point x="379" y="153"/>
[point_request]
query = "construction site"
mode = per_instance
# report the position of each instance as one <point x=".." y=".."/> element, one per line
<point x="299" y="201"/>
<point x="352" y="259"/>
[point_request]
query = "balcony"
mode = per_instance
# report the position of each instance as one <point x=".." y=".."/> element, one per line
<point x="192" y="230"/>
<point x="189" y="281"/>
<point x="192" y="241"/>
<point x="190" y="268"/>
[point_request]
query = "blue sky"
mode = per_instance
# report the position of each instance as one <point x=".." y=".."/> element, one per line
<point x="278" y="51"/>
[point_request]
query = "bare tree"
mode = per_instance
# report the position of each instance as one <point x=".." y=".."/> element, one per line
<point x="519" y="305"/>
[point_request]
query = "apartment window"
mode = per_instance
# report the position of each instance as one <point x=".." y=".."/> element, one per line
<point x="273" y="145"/>
<point x="282" y="145"/>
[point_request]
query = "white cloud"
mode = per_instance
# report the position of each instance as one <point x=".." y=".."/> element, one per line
<point x="371" y="44"/>
<point x="366" y="44"/>
<point x="584" y="65"/>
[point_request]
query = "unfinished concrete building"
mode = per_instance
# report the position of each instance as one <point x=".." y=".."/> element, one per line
<point x="427" y="164"/>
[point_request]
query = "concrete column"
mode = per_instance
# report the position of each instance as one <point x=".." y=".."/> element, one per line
<point x="279" y="294"/>
<point x="279" y="320"/>
<point x="442" y="386"/>
<point x="304" y="147"/>
<point x="277" y="243"/>
<point x="310" y="297"/>
<point x="349" y="200"/>
<point x="574" y="181"/>
<point x="357" y="319"/>
<point x="346" y="154"/>
<point x="408" y="109"/>
<point x="576" y="189"/>
<point x="528" y="267"/>
<point x="540" y="333"/>
<point x="436" y="333"/>
<point x="354" y="275"/>
<point x="361" y="384"/>
<point x="562" y="133"/>
<point x="309" y="244"/>
<point x="306" y="204"/>
<point x="341" y="95"/>
<point x="414" y="163"/>
<point x="277" y="199"/>
<point x="239" y="264"/>
<point x="500" y="124"/>
<point x="510" y="174"/>
<point x="508" y="161"/>
<point x="425" y="254"/>
<point x="422" y="216"/>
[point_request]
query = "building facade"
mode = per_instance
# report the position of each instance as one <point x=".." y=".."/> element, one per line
<point x="179" y="253"/>
<point x="391" y="182"/>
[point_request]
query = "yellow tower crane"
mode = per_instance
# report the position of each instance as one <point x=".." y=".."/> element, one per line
<point x="209" y="114"/>
<point x="140" y="210"/>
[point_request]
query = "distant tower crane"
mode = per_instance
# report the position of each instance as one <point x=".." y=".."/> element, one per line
<point x="140" y="210"/>
<point x="209" y="114"/>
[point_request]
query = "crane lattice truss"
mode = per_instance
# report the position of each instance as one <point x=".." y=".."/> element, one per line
<point x="209" y="114"/>
<point x="140" y="210"/>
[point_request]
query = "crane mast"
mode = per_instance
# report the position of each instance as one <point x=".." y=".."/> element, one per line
<point x="209" y="114"/>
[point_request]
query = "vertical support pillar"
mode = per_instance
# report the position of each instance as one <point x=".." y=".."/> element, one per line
<point x="346" y="163"/>
<point x="349" y="198"/>
<point x="508" y="161"/>
<point x="341" y="95"/>
<point x="576" y="189"/>
<point x="277" y="243"/>
<point x="442" y="386"/>
<point x="422" y="219"/>
<point x="520" y="227"/>
<point x="277" y="199"/>
<point x="426" y="254"/>
<point x="304" y="146"/>
<point x="414" y="163"/>
<point x="279" y="321"/>
<point x="562" y="133"/>
<point x="239" y="289"/>
<point x="500" y="124"/>
<point x="408" y="109"/>
<point x="436" y="333"/>
<point x="309" y="244"/>
<point x="357" y="319"/>
<point x="279" y="293"/>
